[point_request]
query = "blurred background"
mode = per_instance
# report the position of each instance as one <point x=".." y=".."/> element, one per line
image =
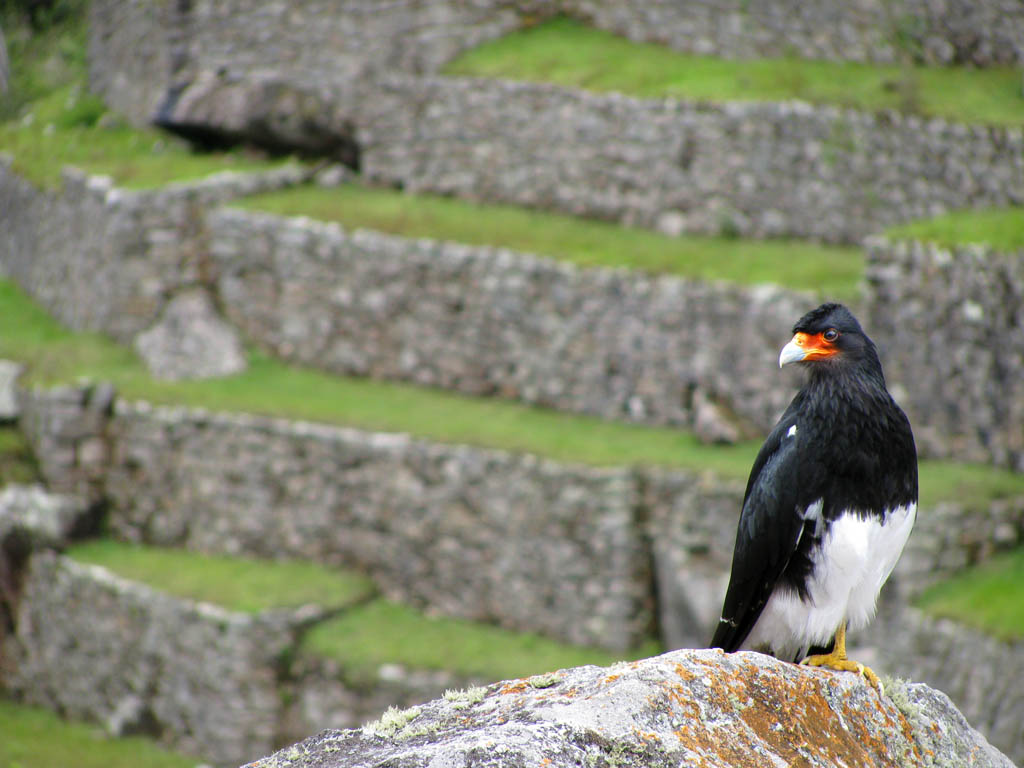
<point x="357" y="352"/>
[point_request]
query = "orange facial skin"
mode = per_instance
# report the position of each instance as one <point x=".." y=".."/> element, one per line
<point x="815" y="346"/>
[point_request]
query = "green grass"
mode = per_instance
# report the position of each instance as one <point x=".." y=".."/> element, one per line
<point x="1001" y="228"/>
<point x="975" y="485"/>
<point x="989" y="597"/>
<point x="236" y="583"/>
<point x="36" y="738"/>
<point x="827" y="270"/>
<point x="385" y="632"/>
<point x="568" y="53"/>
<point x="54" y="355"/>
<point x="49" y="119"/>
<point x="364" y="636"/>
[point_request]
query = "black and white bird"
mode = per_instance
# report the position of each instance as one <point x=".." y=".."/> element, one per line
<point x="829" y="505"/>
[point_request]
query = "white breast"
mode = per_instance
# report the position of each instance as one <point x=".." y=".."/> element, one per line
<point x="854" y="561"/>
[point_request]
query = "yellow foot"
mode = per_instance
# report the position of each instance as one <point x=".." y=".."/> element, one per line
<point x="840" y="662"/>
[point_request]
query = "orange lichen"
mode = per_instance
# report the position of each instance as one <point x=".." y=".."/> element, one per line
<point x="792" y="719"/>
<point x="515" y="686"/>
<point x="684" y="673"/>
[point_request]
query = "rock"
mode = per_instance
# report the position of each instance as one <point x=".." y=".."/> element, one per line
<point x="333" y="175"/>
<point x="683" y="708"/>
<point x="191" y="341"/>
<point x="9" y="372"/>
<point x="36" y="517"/>
<point x="711" y="420"/>
<point x="265" y="110"/>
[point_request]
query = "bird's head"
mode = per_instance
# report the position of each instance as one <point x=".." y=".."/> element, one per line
<point x="831" y="335"/>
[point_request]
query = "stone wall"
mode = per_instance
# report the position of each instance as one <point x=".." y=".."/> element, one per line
<point x="953" y="324"/>
<point x="487" y="321"/>
<point x="933" y="31"/>
<point x="480" y="534"/>
<point x="220" y="685"/>
<point x="96" y="647"/>
<point x="104" y="258"/>
<point x="761" y="170"/>
<point x="260" y="73"/>
<point x="594" y="556"/>
<point x="754" y="169"/>
<point x="142" y="50"/>
<point x="588" y="555"/>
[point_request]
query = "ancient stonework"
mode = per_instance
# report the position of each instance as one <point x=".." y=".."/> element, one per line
<point x="97" y="647"/>
<point x="102" y="258"/>
<point x="490" y="321"/>
<point x="593" y="556"/>
<point x="953" y="324"/>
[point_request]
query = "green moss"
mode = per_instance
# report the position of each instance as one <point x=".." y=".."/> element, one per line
<point x="239" y="584"/>
<point x="384" y="632"/>
<point x="828" y="270"/>
<point x="989" y="597"/>
<point x="569" y="53"/>
<point x="35" y="738"/>
<point x="1002" y="229"/>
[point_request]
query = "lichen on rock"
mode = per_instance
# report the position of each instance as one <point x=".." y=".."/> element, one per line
<point x="682" y="708"/>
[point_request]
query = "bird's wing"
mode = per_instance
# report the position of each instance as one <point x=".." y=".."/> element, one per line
<point x="767" y="536"/>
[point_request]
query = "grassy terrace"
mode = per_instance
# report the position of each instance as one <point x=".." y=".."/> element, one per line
<point x="1001" y="228"/>
<point x="362" y="637"/>
<point x="568" y="53"/>
<point x="55" y="355"/>
<point x="988" y="597"/>
<point x="49" y="120"/>
<point x="238" y="584"/>
<point x="826" y="270"/>
<point x="36" y="738"/>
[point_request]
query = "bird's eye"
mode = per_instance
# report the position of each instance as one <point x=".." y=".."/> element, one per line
<point x="831" y="334"/>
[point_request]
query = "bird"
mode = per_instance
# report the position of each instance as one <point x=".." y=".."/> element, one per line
<point x="829" y="504"/>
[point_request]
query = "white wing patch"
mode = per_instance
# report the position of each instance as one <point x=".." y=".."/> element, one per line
<point x="792" y="431"/>
<point x="854" y="561"/>
<point x="813" y="514"/>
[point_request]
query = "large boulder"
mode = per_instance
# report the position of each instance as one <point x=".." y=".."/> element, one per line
<point x="683" y="708"/>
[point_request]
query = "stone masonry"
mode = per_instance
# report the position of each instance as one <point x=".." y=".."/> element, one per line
<point x="141" y="50"/>
<point x="574" y="552"/>
<point x="254" y="72"/>
<point x="589" y="555"/>
<point x="754" y="169"/>
<point x="145" y="662"/>
<point x="473" y="533"/>
<point x="487" y="321"/>
<point x="953" y="324"/>
<point x="104" y="258"/>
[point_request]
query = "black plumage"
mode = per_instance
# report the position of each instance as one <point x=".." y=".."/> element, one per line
<point x="829" y="503"/>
